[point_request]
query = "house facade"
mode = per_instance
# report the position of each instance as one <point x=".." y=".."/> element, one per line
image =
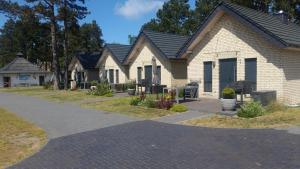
<point x="111" y="65"/>
<point x="20" y="72"/>
<point x="83" y="67"/>
<point x="163" y="48"/>
<point x="236" y="43"/>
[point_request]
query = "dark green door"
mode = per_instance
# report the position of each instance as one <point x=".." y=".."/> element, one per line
<point x="227" y="73"/>
<point x="148" y="77"/>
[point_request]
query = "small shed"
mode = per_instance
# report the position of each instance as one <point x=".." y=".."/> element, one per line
<point x="21" y="72"/>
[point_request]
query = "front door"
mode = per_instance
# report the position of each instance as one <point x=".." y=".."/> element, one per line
<point x="148" y="77"/>
<point x="6" y="81"/>
<point x="41" y="80"/>
<point x="227" y="73"/>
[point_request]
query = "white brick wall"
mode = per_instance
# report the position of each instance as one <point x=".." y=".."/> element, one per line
<point x="231" y="39"/>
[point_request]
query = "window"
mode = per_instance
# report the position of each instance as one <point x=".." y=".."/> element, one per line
<point x="117" y="76"/>
<point x="207" y="76"/>
<point x="139" y="74"/>
<point x="111" y="75"/>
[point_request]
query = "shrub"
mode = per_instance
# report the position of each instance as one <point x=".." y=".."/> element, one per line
<point x="131" y="84"/>
<point x="179" y="108"/>
<point x="102" y="89"/>
<point x="149" y="102"/>
<point x="135" y="101"/>
<point x="228" y="93"/>
<point x="181" y="93"/>
<point x="94" y="83"/>
<point x="48" y="85"/>
<point x="275" y="106"/>
<point x="164" y="103"/>
<point x="251" y="109"/>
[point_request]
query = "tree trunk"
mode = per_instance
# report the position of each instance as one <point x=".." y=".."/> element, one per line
<point x="55" y="64"/>
<point x="66" y="62"/>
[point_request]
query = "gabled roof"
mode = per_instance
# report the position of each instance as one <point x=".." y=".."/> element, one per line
<point x="289" y="33"/>
<point x="166" y="43"/>
<point x="118" y="51"/>
<point x="269" y="26"/>
<point x="21" y="65"/>
<point x="88" y="60"/>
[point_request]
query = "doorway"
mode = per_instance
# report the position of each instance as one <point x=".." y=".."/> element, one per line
<point x="148" y="77"/>
<point x="41" y="80"/>
<point x="7" y="81"/>
<point x="227" y="72"/>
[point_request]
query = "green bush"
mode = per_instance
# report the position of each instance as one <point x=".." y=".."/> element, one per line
<point x="251" y="109"/>
<point x="131" y="84"/>
<point x="228" y="93"/>
<point x="181" y="93"/>
<point x="179" y="108"/>
<point x="102" y="89"/>
<point x="149" y="102"/>
<point x="135" y="101"/>
<point x="48" y="85"/>
<point x="275" y="106"/>
<point x="94" y="83"/>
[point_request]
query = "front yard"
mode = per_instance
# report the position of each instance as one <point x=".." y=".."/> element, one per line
<point x="122" y="106"/>
<point x="110" y="104"/>
<point x="18" y="138"/>
<point x="278" y="119"/>
<point x="52" y="95"/>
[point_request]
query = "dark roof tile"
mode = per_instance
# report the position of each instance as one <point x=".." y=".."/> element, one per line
<point x="88" y="60"/>
<point x="119" y="51"/>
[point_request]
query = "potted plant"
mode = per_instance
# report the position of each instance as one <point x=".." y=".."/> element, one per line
<point x="131" y="88"/>
<point x="228" y="99"/>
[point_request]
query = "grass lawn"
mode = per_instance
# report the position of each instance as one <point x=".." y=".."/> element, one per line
<point x="18" y="138"/>
<point x="121" y="105"/>
<point x="54" y="95"/>
<point x="280" y="119"/>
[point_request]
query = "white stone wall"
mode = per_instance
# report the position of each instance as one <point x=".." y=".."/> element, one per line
<point x="231" y="39"/>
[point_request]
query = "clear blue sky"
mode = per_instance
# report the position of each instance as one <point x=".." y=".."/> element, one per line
<point x="118" y="18"/>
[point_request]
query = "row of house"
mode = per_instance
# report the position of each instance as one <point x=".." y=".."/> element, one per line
<point x="233" y="43"/>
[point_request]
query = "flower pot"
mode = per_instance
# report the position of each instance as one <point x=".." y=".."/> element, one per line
<point x="228" y="104"/>
<point x="131" y="91"/>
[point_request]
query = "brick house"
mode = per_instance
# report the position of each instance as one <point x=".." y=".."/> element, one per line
<point x="111" y="65"/>
<point x="237" y="43"/>
<point x="164" y="48"/>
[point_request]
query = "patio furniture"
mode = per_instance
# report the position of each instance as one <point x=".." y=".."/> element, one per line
<point x="191" y="91"/>
<point x="243" y="87"/>
<point x="264" y="97"/>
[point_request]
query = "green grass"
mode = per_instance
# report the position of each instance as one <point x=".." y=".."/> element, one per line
<point x="278" y="119"/>
<point x="53" y="95"/>
<point x="18" y="138"/>
<point x="122" y="106"/>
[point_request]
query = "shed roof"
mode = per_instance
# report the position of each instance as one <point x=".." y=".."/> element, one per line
<point x="21" y="65"/>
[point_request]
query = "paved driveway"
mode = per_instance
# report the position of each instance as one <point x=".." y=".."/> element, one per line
<point x="81" y="138"/>
<point x="60" y="119"/>
<point x="148" y="144"/>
